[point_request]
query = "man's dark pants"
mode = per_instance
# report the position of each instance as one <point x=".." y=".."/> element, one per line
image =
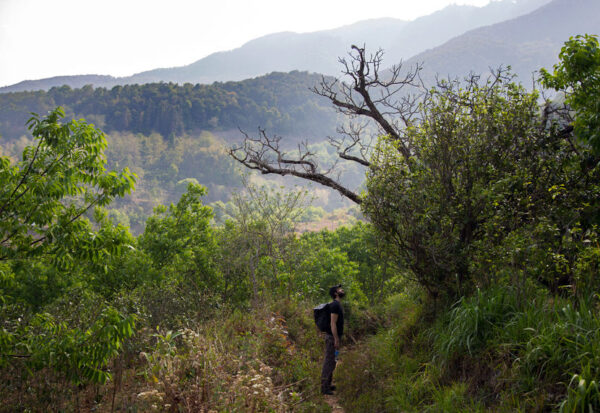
<point x="328" y="364"/>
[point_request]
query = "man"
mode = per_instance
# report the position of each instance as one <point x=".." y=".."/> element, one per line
<point x="332" y="338"/>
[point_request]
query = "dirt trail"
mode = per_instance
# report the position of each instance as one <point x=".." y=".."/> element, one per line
<point x="333" y="402"/>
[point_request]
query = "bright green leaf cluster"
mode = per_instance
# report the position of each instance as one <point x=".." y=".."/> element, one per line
<point x="81" y="354"/>
<point x="44" y="196"/>
<point x="578" y="76"/>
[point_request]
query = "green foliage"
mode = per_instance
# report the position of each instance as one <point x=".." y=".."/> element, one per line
<point x="261" y="239"/>
<point x="81" y="354"/>
<point x="498" y="350"/>
<point x="578" y="76"/>
<point x="493" y="192"/>
<point x="583" y="394"/>
<point x="179" y="258"/>
<point x="563" y="343"/>
<point x="394" y="363"/>
<point x="173" y="230"/>
<point x="50" y="250"/>
<point x="44" y="196"/>
<point x="280" y="101"/>
<point x="473" y="321"/>
<point x="320" y="268"/>
<point x="544" y="340"/>
<point x="432" y="206"/>
<point x="376" y="274"/>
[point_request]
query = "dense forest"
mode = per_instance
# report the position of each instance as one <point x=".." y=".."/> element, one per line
<point x="281" y="102"/>
<point x="169" y="134"/>
<point x="472" y="280"/>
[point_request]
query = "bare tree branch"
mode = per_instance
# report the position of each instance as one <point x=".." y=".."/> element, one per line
<point x="387" y="100"/>
<point x="265" y="155"/>
<point x="372" y="97"/>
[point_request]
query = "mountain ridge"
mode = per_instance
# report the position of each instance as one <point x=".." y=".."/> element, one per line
<point x="314" y="51"/>
<point x="525" y="42"/>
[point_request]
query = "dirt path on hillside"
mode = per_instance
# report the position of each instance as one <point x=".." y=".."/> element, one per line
<point x="333" y="402"/>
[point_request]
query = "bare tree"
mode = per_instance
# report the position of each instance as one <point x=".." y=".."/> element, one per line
<point x="265" y="220"/>
<point x="387" y="100"/>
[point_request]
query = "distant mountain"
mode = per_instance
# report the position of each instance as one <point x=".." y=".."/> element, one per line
<point x="314" y="52"/>
<point x="435" y="29"/>
<point x="527" y="43"/>
<point x="73" y="81"/>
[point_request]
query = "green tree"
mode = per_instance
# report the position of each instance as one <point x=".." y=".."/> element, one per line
<point x="578" y="76"/>
<point x="181" y="250"/>
<point x="319" y="267"/>
<point x="264" y="222"/>
<point x="364" y="248"/>
<point x="48" y="243"/>
<point x="433" y="205"/>
<point x="492" y="189"/>
<point x="44" y="196"/>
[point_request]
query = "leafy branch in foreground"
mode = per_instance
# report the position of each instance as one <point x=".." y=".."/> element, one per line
<point x="58" y="180"/>
<point x="48" y="244"/>
<point x="577" y="75"/>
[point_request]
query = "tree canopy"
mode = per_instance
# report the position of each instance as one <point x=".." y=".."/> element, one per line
<point x="577" y="76"/>
<point x="279" y="101"/>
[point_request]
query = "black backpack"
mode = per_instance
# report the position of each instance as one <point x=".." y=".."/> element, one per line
<point x="322" y="317"/>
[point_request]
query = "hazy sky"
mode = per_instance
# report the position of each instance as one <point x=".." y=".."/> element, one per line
<point x="44" y="38"/>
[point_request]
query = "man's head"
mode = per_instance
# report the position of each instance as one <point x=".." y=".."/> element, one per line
<point x="336" y="291"/>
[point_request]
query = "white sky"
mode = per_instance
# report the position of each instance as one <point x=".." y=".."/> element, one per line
<point x="44" y="38"/>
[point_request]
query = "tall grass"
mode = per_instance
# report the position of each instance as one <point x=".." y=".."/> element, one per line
<point x="499" y="349"/>
<point x="472" y="321"/>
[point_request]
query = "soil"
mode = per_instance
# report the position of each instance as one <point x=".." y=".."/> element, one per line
<point x="333" y="402"/>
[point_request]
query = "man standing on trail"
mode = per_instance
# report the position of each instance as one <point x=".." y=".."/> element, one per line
<point x="332" y="338"/>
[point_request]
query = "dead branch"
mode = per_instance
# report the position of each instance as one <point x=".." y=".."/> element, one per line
<point x="389" y="103"/>
<point x="264" y="154"/>
<point x="387" y="100"/>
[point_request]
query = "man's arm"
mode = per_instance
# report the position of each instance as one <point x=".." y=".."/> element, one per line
<point x="336" y="338"/>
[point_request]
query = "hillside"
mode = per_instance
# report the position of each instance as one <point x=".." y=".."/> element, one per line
<point x="280" y="102"/>
<point x="527" y="43"/>
<point x="433" y="30"/>
<point x="314" y="52"/>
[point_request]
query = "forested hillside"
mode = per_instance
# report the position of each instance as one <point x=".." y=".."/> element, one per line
<point x="281" y="102"/>
<point x="169" y="135"/>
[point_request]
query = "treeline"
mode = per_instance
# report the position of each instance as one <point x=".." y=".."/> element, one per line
<point x="279" y="102"/>
<point x="164" y="167"/>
